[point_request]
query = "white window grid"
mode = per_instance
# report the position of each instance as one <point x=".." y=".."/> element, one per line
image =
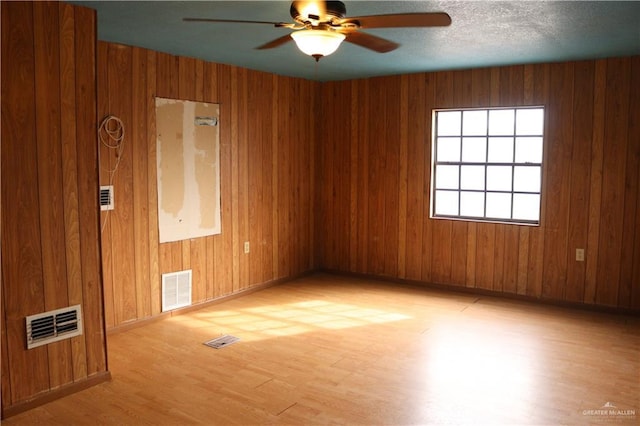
<point x="513" y="164"/>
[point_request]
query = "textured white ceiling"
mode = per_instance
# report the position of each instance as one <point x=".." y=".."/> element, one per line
<point x="482" y="33"/>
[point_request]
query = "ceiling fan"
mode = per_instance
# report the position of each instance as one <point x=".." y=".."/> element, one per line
<point x="320" y="27"/>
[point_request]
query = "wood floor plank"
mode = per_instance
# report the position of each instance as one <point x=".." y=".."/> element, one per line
<point x="328" y="349"/>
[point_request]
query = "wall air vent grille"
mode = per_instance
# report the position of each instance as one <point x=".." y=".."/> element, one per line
<point x="176" y="290"/>
<point x="52" y="326"/>
<point x="106" y="197"/>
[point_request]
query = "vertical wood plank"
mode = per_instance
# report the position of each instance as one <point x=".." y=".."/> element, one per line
<point x="229" y="93"/>
<point x="50" y="188"/>
<point x="354" y="212"/>
<point x="558" y="184"/>
<point x="343" y="178"/>
<point x="243" y="177"/>
<point x="336" y="179"/>
<point x="5" y="385"/>
<point x="279" y="107"/>
<point x="324" y="178"/>
<point x="485" y="260"/>
<point x="152" y="186"/>
<point x="283" y="189"/>
<point x="266" y="221"/>
<point x="417" y="145"/>
<point x="540" y="96"/>
<point x="200" y="81"/>
<point x="105" y="157"/>
<point x="140" y="165"/>
<point x="362" y="89"/>
<point x="427" y="229"/>
<point x="314" y="156"/>
<point x="498" y="253"/>
<point x="301" y="206"/>
<point x="122" y="217"/>
<point x="308" y="166"/>
<point x="70" y="177"/>
<point x="252" y="150"/>
<point x="376" y="207"/>
<point x="523" y="257"/>
<point x="580" y="176"/>
<point x="391" y="175"/>
<point x="630" y="221"/>
<point x="223" y="244"/>
<point x="218" y="266"/>
<point x="635" y="286"/>
<point x="613" y="181"/>
<point x="512" y="245"/>
<point x="85" y="48"/>
<point x="630" y="275"/>
<point x="22" y="274"/>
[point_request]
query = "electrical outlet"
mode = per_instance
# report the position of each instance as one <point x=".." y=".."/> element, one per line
<point x="246" y="247"/>
<point x="580" y="255"/>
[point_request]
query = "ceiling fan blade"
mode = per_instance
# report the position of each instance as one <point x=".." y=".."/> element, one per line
<point x="277" y="24"/>
<point x="401" y="20"/>
<point x="372" y="42"/>
<point x="275" y="43"/>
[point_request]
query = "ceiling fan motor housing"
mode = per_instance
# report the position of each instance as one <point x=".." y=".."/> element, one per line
<point x="333" y="10"/>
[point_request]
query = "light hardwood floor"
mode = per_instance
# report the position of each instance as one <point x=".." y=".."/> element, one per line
<point x="334" y="350"/>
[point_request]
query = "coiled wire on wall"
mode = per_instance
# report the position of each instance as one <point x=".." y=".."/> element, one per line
<point x="111" y="135"/>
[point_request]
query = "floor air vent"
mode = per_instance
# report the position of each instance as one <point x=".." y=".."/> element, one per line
<point x="52" y="326"/>
<point x="176" y="290"/>
<point x="222" y="341"/>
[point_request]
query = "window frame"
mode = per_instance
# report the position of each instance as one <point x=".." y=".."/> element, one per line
<point x="513" y="164"/>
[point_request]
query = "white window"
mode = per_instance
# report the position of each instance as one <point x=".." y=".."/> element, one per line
<point x="487" y="164"/>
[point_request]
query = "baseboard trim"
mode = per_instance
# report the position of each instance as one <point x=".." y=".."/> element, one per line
<point x="54" y="394"/>
<point x="489" y="293"/>
<point x="181" y="311"/>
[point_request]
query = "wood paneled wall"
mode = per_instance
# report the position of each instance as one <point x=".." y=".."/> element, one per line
<point x="354" y="198"/>
<point x="375" y="159"/>
<point x="267" y="160"/>
<point x="50" y="236"/>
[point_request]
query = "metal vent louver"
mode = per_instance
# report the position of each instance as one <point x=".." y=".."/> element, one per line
<point x="176" y="290"/>
<point x="53" y="326"/>
<point x="222" y="341"/>
<point x="106" y="197"/>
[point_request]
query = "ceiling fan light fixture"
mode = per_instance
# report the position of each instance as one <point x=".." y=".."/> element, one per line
<point x="317" y="43"/>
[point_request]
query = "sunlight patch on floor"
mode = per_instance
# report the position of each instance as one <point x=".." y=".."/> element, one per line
<point x="467" y="365"/>
<point x="289" y="319"/>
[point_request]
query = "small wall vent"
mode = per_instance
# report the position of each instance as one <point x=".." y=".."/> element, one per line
<point x="176" y="290"/>
<point x="106" y="197"/>
<point x="52" y="326"/>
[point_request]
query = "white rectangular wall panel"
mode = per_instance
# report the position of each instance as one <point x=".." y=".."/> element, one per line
<point x="188" y="149"/>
